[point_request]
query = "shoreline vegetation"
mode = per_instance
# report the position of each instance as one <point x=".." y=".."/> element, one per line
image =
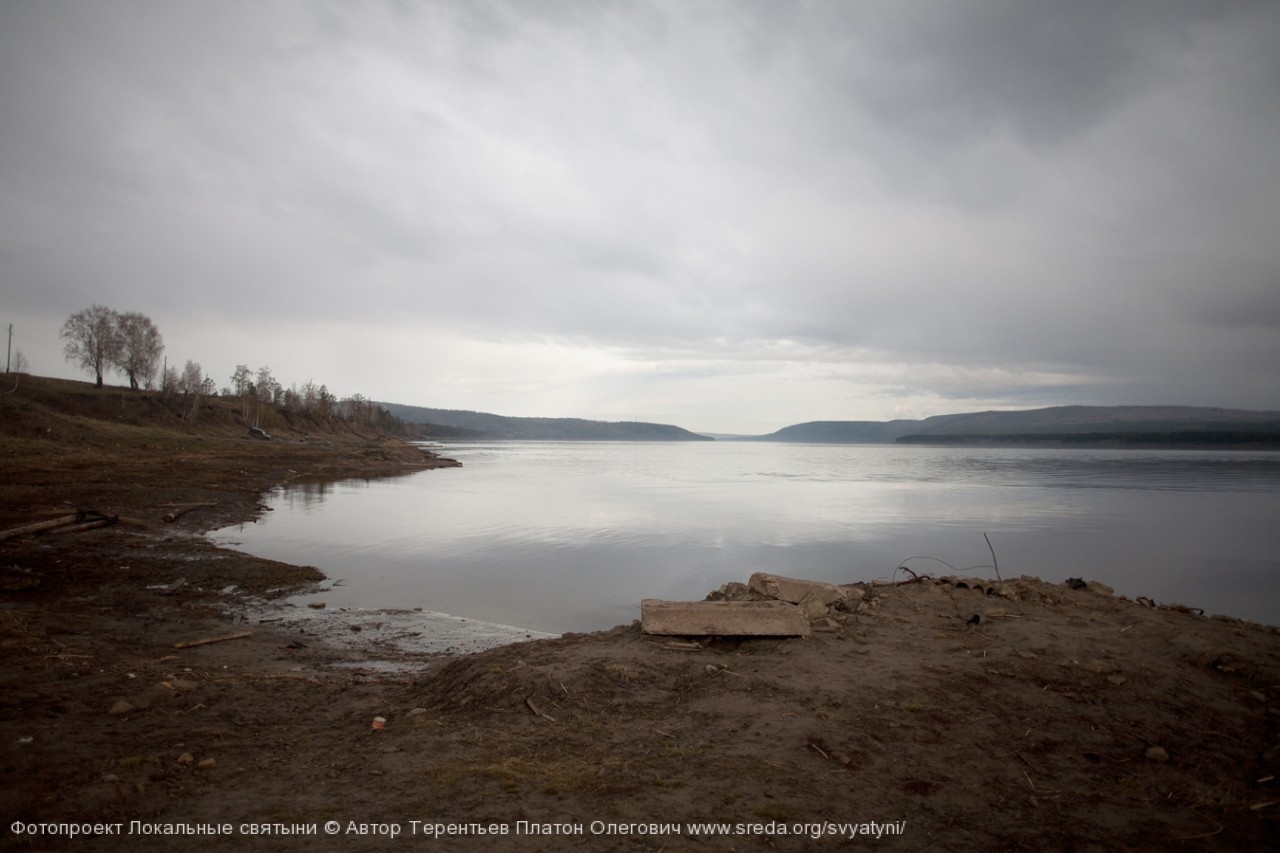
<point x="142" y="685"/>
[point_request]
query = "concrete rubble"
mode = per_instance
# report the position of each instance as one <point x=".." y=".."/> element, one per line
<point x="722" y="618"/>
<point x="768" y="605"/>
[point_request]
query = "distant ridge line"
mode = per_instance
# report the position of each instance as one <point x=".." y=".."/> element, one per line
<point x="461" y="424"/>
<point x="1176" y="425"/>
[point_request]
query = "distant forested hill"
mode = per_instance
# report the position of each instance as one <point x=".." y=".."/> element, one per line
<point x="1124" y="425"/>
<point x="452" y="423"/>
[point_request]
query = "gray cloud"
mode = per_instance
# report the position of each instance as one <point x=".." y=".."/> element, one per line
<point x="989" y="202"/>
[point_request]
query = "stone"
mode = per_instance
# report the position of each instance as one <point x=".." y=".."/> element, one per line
<point x="1157" y="753"/>
<point x="795" y="590"/>
<point x="121" y="706"/>
<point x="813" y="606"/>
<point x="722" y="618"/>
<point x="207" y="763"/>
<point x="186" y="758"/>
<point x="181" y="685"/>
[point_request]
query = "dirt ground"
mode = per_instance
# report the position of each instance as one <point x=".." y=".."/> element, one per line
<point x="1066" y="719"/>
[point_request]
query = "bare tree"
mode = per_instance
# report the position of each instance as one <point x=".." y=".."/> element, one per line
<point x="192" y="384"/>
<point x="325" y="401"/>
<point x="20" y="364"/>
<point x="310" y="396"/>
<point x="268" y="390"/>
<point x="140" y="348"/>
<point x="242" y="387"/>
<point x="192" y="379"/>
<point x="242" y="380"/>
<point x="92" y="339"/>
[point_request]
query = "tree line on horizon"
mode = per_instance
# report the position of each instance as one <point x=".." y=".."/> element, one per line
<point x="100" y="339"/>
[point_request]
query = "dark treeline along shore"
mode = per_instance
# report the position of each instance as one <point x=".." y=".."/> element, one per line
<point x="1116" y="426"/>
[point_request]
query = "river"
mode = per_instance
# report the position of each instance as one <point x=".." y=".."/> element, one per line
<point x="570" y="536"/>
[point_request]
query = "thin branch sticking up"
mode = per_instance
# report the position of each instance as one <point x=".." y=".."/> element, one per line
<point x="994" y="563"/>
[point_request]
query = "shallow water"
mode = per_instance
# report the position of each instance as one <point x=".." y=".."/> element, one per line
<point x="566" y="536"/>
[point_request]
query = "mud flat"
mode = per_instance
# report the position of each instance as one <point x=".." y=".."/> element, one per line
<point x="393" y="632"/>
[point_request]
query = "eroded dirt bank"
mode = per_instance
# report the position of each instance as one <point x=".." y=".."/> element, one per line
<point x="1067" y="719"/>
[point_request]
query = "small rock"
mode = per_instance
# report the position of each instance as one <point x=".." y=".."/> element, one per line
<point x="186" y="758"/>
<point x="1157" y="753"/>
<point x="416" y="712"/>
<point x="181" y="685"/>
<point x="316" y="605"/>
<point x="1117" y="680"/>
<point x="121" y="706"/>
<point x="111" y="777"/>
<point x="207" y="764"/>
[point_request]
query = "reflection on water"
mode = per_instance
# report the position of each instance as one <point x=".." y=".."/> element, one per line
<point x="570" y="536"/>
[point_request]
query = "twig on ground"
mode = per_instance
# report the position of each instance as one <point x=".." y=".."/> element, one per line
<point x="538" y="712"/>
<point x="187" y="644"/>
<point x="1209" y="834"/>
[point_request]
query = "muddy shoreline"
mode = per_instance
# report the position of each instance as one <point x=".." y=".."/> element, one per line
<point x="1069" y="718"/>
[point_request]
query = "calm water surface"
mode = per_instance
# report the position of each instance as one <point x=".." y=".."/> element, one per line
<point x="570" y="536"/>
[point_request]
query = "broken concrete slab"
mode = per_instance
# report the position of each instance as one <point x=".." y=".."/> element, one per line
<point x="722" y="618"/>
<point x="795" y="590"/>
<point x="812" y="606"/>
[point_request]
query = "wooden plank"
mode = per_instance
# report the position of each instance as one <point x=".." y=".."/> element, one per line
<point x="722" y="618"/>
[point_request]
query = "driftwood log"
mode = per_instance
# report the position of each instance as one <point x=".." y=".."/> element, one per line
<point x="175" y="514"/>
<point x="83" y="520"/>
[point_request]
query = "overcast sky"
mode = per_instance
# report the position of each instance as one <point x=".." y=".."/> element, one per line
<point x="732" y="216"/>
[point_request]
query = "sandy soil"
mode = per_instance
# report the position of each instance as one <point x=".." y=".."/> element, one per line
<point x="1067" y="719"/>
